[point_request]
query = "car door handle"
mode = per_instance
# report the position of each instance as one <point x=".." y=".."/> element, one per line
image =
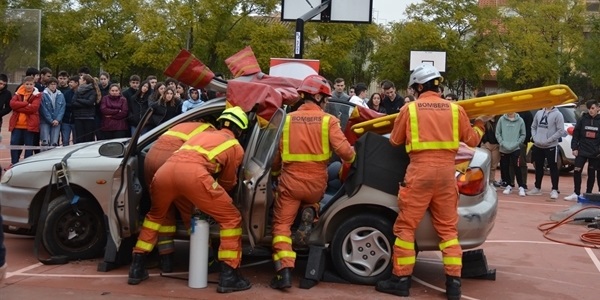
<point x="248" y="183"/>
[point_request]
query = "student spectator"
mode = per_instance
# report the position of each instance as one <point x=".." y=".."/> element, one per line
<point x="361" y="93"/>
<point x="67" y="127"/>
<point x="510" y="133"/>
<point x="528" y="119"/>
<point x="52" y="111"/>
<point x="375" y="103"/>
<point x="172" y="83"/>
<point x="138" y="105"/>
<point x="338" y="93"/>
<point x="5" y="96"/>
<point x="547" y="129"/>
<point x="134" y="85"/>
<point x="392" y="101"/>
<point x="193" y="101"/>
<point x="114" y="110"/>
<point x="45" y="75"/>
<point x="83" y="71"/>
<point x="84" y="108"/>
<point x="408" y="99"/>
<point x="63" y="81"/>
<point x="451" y="97"/>
<point x="24" y="123"/>
<point x="153" y="81"/>
<point x="489" y="142"/>
<point x="165" y="107"/>
<point x="104" y="83"/>
<point x="586" y="148"/>
<point x="182" y="92"/>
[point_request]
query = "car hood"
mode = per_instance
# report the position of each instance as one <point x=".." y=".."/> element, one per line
<point x="77" y="151"/>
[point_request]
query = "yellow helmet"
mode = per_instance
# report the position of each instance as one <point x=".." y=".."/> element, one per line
<point x="236" y="115"/>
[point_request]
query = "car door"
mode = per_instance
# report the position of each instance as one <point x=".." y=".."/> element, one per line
<point x="254" y="190"/>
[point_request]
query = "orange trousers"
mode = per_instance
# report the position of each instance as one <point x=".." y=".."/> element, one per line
<point x="428" y="185"/>
<point x="297" y="187"/>
<point x="155" y="158"/>
<point x="179" y="182"/>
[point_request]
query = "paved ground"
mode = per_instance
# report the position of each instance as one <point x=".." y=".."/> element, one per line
<point x="528" y="267"/>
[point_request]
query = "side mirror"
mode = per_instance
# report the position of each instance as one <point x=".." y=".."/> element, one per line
<point x="112" y="149"/>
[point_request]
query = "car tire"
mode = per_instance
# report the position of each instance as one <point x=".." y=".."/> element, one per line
<point x="77" y="236"/>
<point x="362" y="248"/>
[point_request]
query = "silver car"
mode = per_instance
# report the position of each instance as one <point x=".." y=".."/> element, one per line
<point x="106" y="177"/>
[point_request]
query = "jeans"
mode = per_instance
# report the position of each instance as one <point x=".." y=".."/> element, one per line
<point x="49" y="134"/>
<point x="21" y="137"/>
<point x="65" y="133"/>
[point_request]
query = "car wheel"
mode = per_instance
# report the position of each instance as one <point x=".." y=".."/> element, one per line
<point x="76" y="234"/>
<point x="361" y="249"/>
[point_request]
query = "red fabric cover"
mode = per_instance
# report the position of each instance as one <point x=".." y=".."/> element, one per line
<point x="189" y="70"/>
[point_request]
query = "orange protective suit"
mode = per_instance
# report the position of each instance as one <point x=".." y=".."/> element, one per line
<point x="431" y="128"/>
<point x="200" y="172"/>
<point x="309" y="135"/>
<point x="161" y="150"/>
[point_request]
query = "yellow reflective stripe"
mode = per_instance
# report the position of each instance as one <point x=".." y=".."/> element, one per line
<point x="176" y="134"/>
<point x="167" y="229"/>
<point x="284" y="254"/>
<point x="448" y="243"/>
<point x="408" y="260"/>
<point x="143" y="245"/>
<point x="186" y="137"/>
<point x="404" y="244"/>
<point x="228" y="254"/>
<point x="282" y="239"/>
<point x="231" y="232"/>
<point x="456" y="261"/>
<point x="215" y="151"/>
<point x="286" y="156"/>
<point x="199" y="129"/>
<point x="479" y="131"/>
<point x="165" y="242"/>
<point x="416" y="144"/>
<point x="151" y="225"/>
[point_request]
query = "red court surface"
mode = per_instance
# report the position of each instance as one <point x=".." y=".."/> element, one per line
<point x="528" y="266"/>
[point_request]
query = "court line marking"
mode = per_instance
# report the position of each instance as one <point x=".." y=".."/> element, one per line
<point x="593" y="257"/>
<point x="20" y="271"/>
<point x="548" y="203"/>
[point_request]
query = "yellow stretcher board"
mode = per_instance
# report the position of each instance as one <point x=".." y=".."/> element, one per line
<point x="489" y="105"/>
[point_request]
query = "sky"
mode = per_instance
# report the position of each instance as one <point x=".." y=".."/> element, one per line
<point x="385" y="11"/>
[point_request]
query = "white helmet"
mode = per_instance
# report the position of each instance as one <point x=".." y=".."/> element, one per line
<point x="423" y="74"/>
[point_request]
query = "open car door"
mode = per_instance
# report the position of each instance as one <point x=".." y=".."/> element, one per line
<point x="255" y="191"/>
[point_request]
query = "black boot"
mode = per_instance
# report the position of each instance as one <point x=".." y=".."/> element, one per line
<point x="166" y="263"/>
<point x="230" y="280"/>
<point x="453" y="287"/>
<point x="137" y="270"/>
<point x="305" y="228"/>
<point x="283" y="279"/>
<point x="395" y="285"/>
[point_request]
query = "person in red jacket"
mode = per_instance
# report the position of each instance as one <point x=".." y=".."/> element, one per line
<point x="431" y="128"/>
<point x="24" y="123"/>
<point x="201" y="172"/>
<point x="309" y="136"/>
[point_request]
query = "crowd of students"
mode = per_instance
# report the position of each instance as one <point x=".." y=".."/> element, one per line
<point x="49" y="111"/>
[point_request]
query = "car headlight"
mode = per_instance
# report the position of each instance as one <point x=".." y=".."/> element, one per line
<point x="6" y="177"/>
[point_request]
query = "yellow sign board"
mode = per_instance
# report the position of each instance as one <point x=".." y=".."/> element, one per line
<point x="490" y="105"/>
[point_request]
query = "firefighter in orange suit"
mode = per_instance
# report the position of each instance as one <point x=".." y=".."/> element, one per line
<point x="431" y="128"/>
<point x="201" y="172"/>
<point x="308" y="138"/>
<point x="161" y="150"/>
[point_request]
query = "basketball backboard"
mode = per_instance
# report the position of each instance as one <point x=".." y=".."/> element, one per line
<point x="342" y="11"/>
<point x="434" y="58"/>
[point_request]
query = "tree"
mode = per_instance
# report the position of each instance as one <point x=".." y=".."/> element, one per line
<point x="538" y="41"/>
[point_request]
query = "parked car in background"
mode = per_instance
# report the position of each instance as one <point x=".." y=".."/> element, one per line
<point x="356" y="217"/>
<point x="566" y="159"/>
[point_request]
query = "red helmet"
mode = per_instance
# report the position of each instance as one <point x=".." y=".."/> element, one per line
<point x="315" y="84"/>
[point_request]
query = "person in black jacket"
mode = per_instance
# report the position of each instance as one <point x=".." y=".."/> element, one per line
<point x="528" y="119"/>
<point x="5" y="96"/>
<point x="586" y="148"/>
<point x="138" y="105"/>
<point x="84" y="104"/>
<point x="165" y="107"/>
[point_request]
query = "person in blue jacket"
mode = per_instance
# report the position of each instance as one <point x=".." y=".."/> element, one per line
<point x="52" y="110"/>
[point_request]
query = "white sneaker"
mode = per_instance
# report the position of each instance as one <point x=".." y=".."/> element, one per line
<point x="521" y="191"/>
<point x="554" y="194"/>
<point x="572" y="197"/>
<point x="534" y="192"/>
<point x="507" y="190"/>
